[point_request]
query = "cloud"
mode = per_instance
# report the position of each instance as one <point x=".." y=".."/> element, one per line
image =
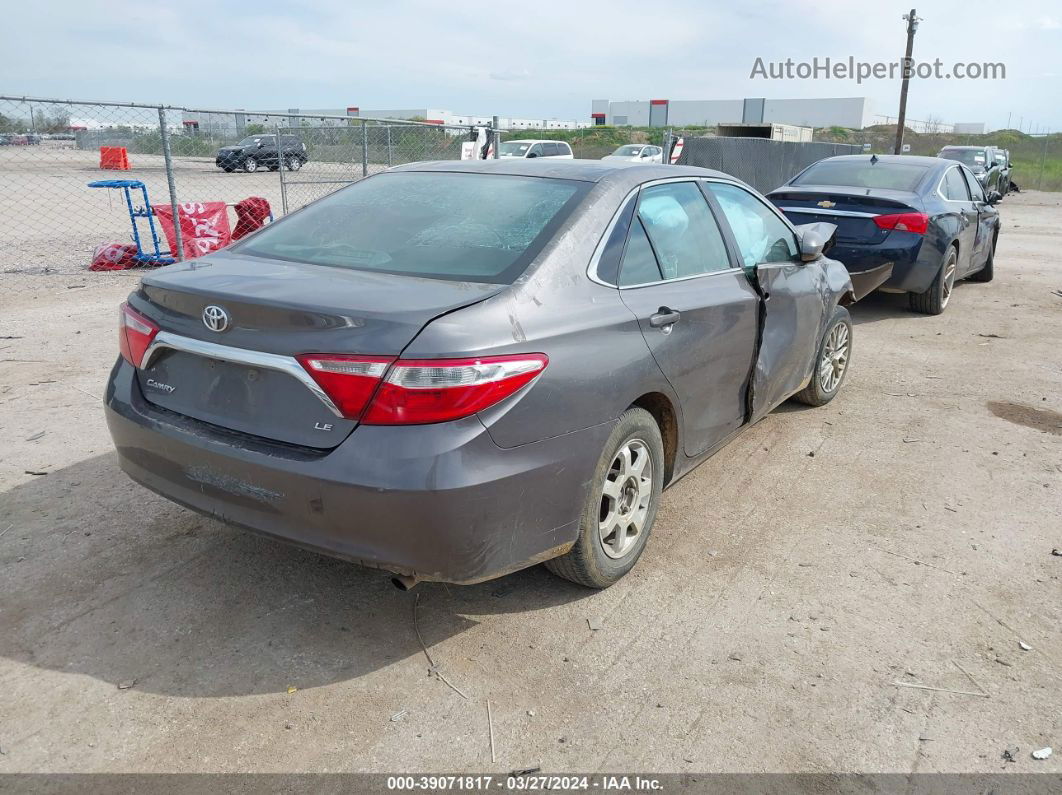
<point x="511" y="75"/>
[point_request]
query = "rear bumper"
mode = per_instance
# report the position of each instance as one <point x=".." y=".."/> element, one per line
<point x="436" y="502"/>
<point x="913" y="263"/>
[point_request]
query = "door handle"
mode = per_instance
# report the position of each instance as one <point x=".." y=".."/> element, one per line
<point x="664" y="317"/>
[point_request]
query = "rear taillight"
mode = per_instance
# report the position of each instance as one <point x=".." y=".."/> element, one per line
<point x="348" y="380"/>
<point x="420" y="391"/>
<point x="904" y="222"/>
<point x="135" y="333"/>
<point x="381" y="391"/>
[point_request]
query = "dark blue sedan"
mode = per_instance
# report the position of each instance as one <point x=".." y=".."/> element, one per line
<point x="904" y="224"/>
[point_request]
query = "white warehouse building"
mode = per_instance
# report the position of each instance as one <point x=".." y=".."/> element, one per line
<point x="853" y="112"/>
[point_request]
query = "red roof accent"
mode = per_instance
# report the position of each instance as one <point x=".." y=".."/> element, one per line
<point x="434" y="121"/>
<point x="658" y="102"/>
<point x="189" y="121"/>
<point x="597" y="115"/>
<point x="353" y="110"/>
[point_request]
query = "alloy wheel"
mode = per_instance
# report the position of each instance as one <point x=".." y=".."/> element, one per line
<point x="949" y="279"/>
<point x="834" y="358"/>
<point x="250" y="165"/>
<point x="626" y="496"/>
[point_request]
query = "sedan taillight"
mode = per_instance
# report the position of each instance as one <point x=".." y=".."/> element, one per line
<point x="420" y="391"/>
<point x="135" y="333"/>
<point x="904" y="222"/>
<point x="381" y="391"/>
<point x="348" y="380"/>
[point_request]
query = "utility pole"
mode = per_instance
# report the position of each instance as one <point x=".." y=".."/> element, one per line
<point x="912" y="26"/>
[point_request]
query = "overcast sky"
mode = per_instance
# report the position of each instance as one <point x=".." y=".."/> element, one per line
<point x="537" y="59"/>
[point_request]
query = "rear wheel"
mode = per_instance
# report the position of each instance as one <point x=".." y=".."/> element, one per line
<point x="986" y="273"/>
<point x="293" y="162"/>
<point x="935" y="300"/>
<point x="621" y="506"/>
<point x="250" y="165"/>
<point x="834" y="354"/>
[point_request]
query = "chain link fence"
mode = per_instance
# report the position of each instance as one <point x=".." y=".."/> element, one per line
<point x="51" y="150"/>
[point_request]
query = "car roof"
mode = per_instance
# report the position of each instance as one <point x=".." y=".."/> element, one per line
<point x="584" y="170"/>
<point x="533" y="141"/>
<point x="957" y="146"/>
<point x="918" y="160"/>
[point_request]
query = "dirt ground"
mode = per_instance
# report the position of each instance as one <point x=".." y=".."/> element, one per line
<point x="901" y="534"/>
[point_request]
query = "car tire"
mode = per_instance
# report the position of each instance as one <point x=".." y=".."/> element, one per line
<point x="250" y="165"/>
<point x="986" y="273"/>
<point x="634" y="445"/>
<point x="832" y="360"/>
<point x="293" y="162"/>
<point x="935" y="300"/>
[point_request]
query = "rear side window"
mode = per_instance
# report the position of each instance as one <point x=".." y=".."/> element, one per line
<point x="461" y="227"/>
<point x="976" y="191"/>
<point x="639" y="262"/>
<point x="563" y="148"/>
<point x="761" y="235"/>
<point x="682" y="230"/>
<point x="954" y="186"/>
<point x="552" y="150"/>
<point x="863" y="174"/>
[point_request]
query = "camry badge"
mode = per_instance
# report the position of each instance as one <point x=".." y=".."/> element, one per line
<point x="827" y="204"/>
<point x="215" y="318"/>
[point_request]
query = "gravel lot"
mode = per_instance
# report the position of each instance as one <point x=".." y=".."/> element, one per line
<point x="903" y="533"/>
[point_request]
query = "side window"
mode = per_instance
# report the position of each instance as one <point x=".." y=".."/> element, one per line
<point x="639" y="263"/>
<point x="976" y="191"/>
<point x="761" y="235"/>
<point x="563" y="148"/>
<point x="682" y="230"/>
<point x="535" y="151"/>
<point x="955" y="187"/>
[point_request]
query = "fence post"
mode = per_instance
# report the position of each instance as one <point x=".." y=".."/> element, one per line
<point x="171" y="184"/>
<point x="1043" y="158"/>
<point x="280" y="170"/>
<point x="364" y="149"/>
<point x="389" y="155"/>
<point x="494" y="122"/>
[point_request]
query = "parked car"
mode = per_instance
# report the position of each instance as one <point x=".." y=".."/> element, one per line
<point x="530" y="148"/>
<point x="256" y="151"/>
<point x="1003" y="161"/>
<point x="981" y="160"/>
<point x="637" y="153"/>
<point x="904" y="223"/>
<point x="5" y="139"/>
<point x="451" y="371"/>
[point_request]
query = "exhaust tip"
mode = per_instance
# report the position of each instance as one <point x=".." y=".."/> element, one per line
<point x="403" y="583"/>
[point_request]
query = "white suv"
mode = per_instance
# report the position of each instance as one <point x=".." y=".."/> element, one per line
<point x="531" y="148"/>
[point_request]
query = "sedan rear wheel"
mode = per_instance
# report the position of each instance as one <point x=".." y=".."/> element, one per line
<point x="934" y="300"/>
<point x="621" y="505"/>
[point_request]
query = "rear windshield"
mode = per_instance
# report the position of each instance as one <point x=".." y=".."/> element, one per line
<point x="461" y="227"/>
<point x="863" y="174"/>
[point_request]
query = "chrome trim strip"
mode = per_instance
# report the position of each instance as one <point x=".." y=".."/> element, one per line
<point x="821" y="211"/>
<point x="166" y="340"/>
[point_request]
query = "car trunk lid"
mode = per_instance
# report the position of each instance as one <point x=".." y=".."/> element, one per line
<point x="852" y="210"/>
<point x="244" y="376"/>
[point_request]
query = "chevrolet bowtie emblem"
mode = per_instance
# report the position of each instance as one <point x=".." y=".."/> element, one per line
<point x="827" y="204"/>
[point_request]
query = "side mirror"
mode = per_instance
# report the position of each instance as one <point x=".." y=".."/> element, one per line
<point x="260" y="144"/>
<point x="994" y="196"/>
<point x="815" y="240"/>
<point x="532" y="154"/>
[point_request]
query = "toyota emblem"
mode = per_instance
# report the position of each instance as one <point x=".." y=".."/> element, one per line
<point x="215" y="318"/>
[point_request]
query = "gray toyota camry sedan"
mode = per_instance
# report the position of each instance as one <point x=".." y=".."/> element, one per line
<point x="454" y="370"/>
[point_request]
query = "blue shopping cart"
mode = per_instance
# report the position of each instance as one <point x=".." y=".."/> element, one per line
<point x="156" y="256"/>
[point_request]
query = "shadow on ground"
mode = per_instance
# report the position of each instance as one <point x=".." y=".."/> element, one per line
<point x="101" y="578"/>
